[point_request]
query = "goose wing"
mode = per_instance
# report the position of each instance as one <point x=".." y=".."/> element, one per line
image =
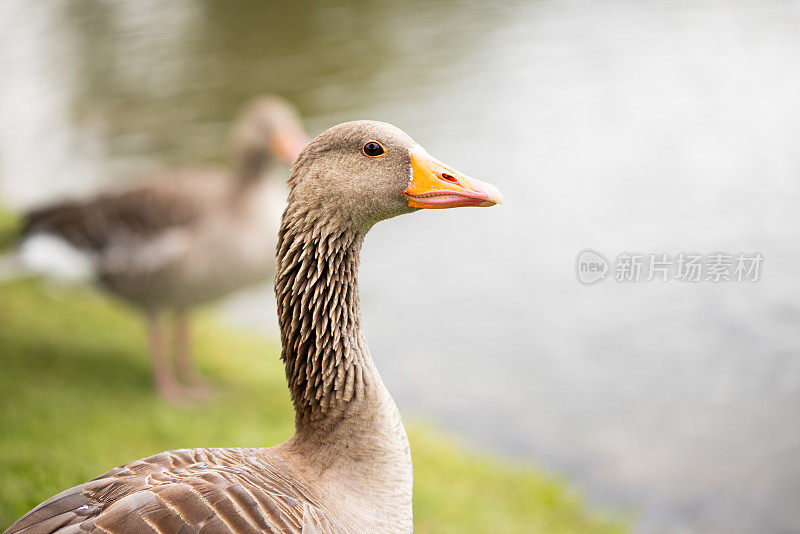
<point x="184" y="491"/>
<point x="176" y="201"/>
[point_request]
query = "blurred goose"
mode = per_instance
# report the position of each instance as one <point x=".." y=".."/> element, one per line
<point x="348" y="466"/>
<point x="183" y="238"/>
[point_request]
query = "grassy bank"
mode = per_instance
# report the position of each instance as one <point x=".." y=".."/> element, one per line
<point x="76" y="399"/>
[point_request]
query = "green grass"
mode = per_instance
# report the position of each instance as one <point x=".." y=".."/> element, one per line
<point x="9" y="227"/>
<point x="76" y="399"/>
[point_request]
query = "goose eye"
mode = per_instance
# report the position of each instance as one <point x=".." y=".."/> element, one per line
<point x="373" y="149"/>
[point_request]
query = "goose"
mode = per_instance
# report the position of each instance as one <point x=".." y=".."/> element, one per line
<point x="348" y="467"/>
<point x="182" y="238"/>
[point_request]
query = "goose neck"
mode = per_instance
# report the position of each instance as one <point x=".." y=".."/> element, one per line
<point x="348" y="429"/>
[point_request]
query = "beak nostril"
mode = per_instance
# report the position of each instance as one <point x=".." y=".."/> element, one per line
<point x="448" y="177"/>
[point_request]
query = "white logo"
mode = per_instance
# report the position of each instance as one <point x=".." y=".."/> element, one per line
<point x="591" y="267"/>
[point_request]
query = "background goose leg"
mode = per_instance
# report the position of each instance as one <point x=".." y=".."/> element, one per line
<point x="165" y="381"/>
<point x="187" y="372"/>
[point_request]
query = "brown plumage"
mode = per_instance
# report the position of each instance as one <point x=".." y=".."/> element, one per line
<point x="184" y="237"/>
<point x="348" y="466"/>
<point x="189" y="490"/>
<point x="172" y="200"/>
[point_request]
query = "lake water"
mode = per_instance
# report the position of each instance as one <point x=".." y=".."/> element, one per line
<point x="650" y="127"/>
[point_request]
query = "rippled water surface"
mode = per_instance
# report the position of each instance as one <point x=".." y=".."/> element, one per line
<point x="621" y="126"/>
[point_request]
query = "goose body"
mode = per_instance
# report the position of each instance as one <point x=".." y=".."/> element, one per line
<point x="348" y="466"/>
<point x="180" y="239"/>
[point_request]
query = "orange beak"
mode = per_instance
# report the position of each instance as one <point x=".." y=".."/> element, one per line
<point x="437" y="186"/>
<point x="288" y="146"/>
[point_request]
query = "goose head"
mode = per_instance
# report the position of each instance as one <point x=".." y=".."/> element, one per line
<point x="358" y="173"/>
<point x="269" y="128"/>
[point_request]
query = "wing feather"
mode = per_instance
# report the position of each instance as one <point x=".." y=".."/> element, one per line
<point x="153" y="208"/>
<point x="210" y="491"/>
